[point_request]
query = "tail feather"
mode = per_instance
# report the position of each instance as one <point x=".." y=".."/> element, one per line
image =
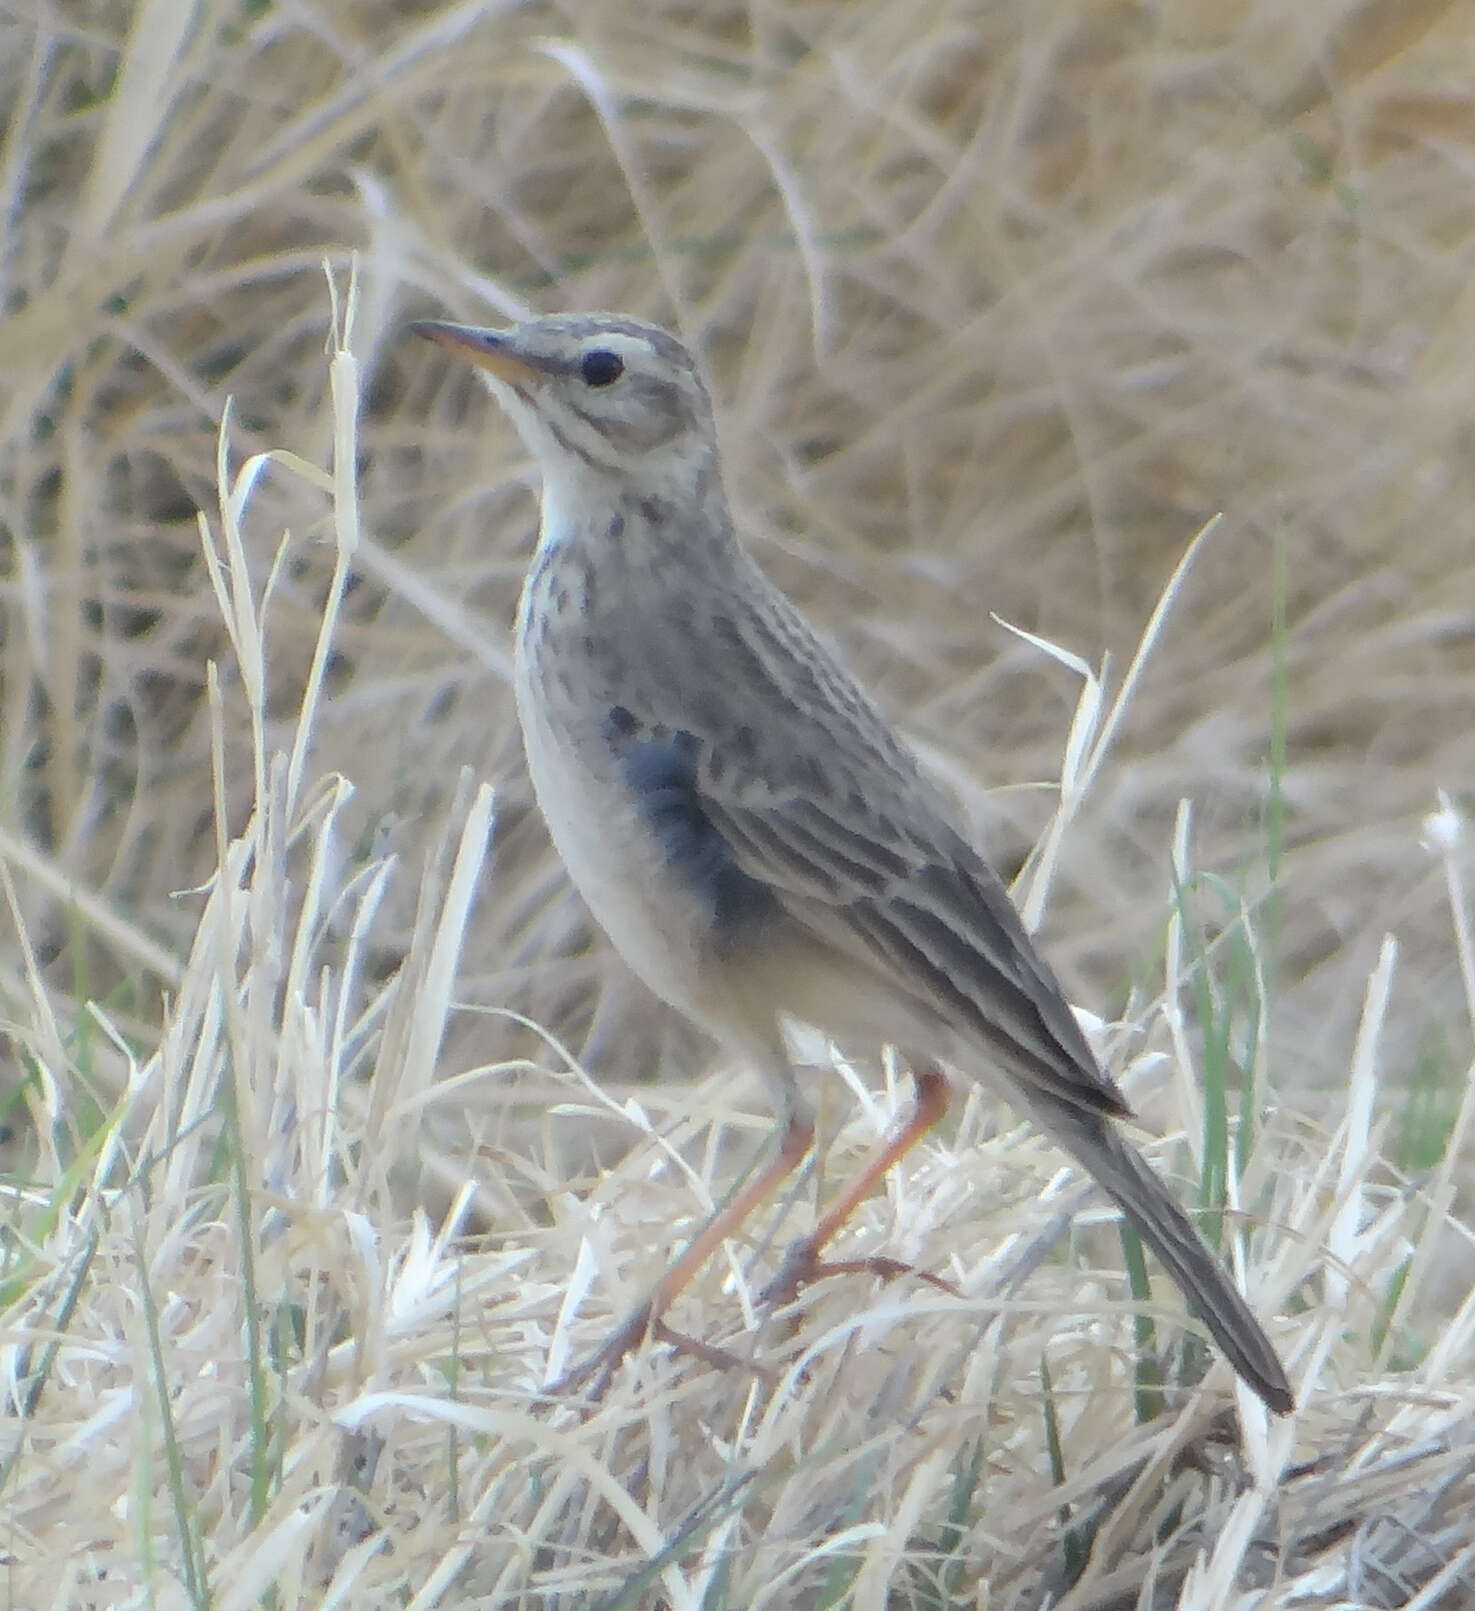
<point x="1166" y="1228"/>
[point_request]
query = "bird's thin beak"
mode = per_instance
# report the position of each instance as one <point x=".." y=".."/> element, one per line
<point x="492" y="350"/>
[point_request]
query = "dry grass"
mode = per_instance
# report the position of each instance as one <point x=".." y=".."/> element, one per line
<point x="1001" y="304"/>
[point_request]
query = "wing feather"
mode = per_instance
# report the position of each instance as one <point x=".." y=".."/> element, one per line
<point x="930" y="911"/>
<point x="815" y="800"/>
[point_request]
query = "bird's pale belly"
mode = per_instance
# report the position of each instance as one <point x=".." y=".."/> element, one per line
<point x="654" y="921"/>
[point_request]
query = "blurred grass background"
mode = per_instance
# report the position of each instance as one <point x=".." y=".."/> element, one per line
<point x="1000" y="303"/>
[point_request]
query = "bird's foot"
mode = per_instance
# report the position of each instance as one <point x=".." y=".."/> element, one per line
<point x="599" y="1369"/>
<point x="602" y="1364"/>
<point x="708" y="1353"/>
<point x="802" y="1264"/>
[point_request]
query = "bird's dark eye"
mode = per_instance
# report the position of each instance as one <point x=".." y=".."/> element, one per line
<point x="601" y="368"/>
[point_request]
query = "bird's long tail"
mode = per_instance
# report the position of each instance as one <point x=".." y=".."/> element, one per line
<point x="1166" y="1228"/>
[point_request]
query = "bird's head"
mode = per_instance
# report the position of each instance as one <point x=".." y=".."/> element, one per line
<point x="604" y="402"/>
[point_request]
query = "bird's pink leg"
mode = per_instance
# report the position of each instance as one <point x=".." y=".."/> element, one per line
<point x="794" y="1142"/>
<point x="802" y="1262"/>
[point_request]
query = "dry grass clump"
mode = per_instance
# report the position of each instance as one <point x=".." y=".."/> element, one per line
<point x="305" y="1195"/>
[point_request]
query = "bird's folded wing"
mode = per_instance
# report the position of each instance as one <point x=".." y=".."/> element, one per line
<point x="918" y="901"/>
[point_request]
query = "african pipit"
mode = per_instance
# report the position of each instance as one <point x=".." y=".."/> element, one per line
<point x="745" y="825"/>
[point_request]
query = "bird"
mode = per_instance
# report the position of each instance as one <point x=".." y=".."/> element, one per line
<point x="748" y="828"/>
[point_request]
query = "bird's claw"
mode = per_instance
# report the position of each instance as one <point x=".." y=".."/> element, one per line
<point x="602" y="1364"/>
<point x="802" y="1264"/>
<point x="600" y="1367"/>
